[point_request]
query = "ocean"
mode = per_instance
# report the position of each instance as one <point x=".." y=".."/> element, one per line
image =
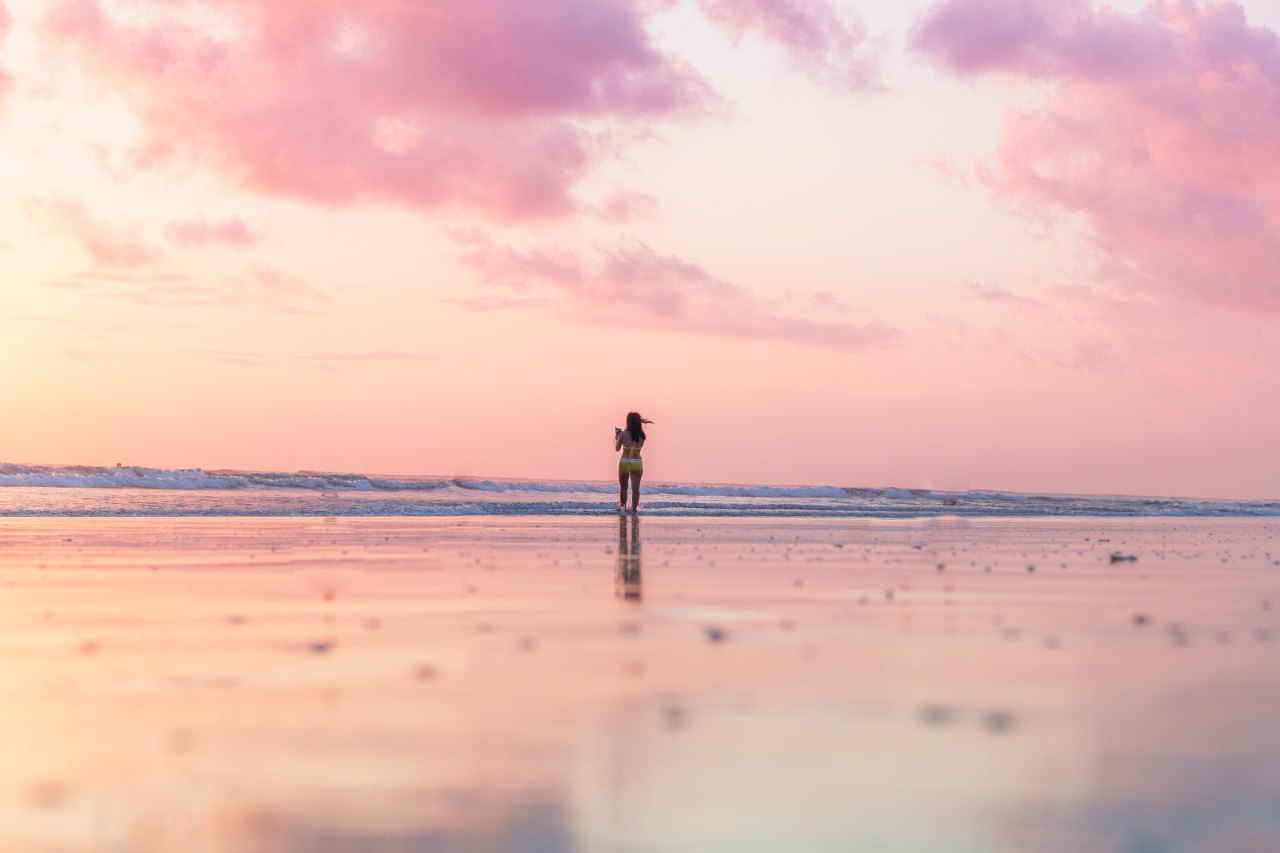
<point x="77" y="490"/>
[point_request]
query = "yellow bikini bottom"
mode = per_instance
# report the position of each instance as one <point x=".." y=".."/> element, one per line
<point x="630" y="466"/>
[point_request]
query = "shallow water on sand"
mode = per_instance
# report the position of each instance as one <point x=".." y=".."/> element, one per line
<point x="651" y="684"/>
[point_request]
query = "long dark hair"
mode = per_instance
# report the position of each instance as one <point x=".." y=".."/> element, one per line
<point x="634" y="427"/>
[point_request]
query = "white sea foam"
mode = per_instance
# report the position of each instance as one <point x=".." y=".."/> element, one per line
<point x="87" y="490"/>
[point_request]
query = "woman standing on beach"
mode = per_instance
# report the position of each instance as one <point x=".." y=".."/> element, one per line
<point x="630" y="466"/>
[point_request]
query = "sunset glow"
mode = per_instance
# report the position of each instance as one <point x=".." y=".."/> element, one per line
<point x="1011" y="244"/>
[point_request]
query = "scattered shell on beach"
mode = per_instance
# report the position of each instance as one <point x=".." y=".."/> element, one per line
<point x="994" y="721"/>
<point x="937" y="715"/>
<point x="674" y="717"/>
<point x="998" y="722"/>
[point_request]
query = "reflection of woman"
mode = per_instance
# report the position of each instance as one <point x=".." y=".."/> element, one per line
<point x="627" y="585"/>
<point x="630" y="466"/>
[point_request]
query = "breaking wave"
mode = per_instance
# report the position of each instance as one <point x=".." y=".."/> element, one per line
<point x="132" y="490"/>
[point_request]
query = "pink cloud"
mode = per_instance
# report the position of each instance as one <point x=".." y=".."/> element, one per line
<point x="1039" y="38"/>
<point x="372" y="356"/>
<point x="949" y="172"/>
<point x="201" y="232"/>
<point x="263" y="287"/>
<point x="629" y="284"/>
<point x="329" y="361"/>
<point x="819" y="38"/>
<point x="277" y="291"/>
<point x="6" y="24"/>
<point x="482" y="105"/>
<point x="1160" y="133"/>
<point x="997" y="295"/>
<point x="110" y="245"/>
<point x="627" y="205"/>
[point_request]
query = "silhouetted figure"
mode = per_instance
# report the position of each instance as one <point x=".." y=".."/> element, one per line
<point x="627" y="585"/>
<point x="630" y="466"/>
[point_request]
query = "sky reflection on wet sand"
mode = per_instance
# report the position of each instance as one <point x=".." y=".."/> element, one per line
<point x="638" y="684"/>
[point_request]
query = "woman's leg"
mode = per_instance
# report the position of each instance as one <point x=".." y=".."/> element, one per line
<point x="622" y="490"/>
<point x="635" y="489"/>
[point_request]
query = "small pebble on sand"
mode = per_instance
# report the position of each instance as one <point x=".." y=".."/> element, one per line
<point x="998" y="722"/>
<point x="937" y="715"/>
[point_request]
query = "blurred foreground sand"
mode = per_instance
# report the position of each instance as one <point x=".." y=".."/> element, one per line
<point x="638" y="685"/>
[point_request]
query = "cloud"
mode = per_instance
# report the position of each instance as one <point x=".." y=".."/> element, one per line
<point x="325" y="360"/>
<point x="107" y="244"/>
<point x="275" y="290"/>
<point x="6" y="24"/>
<point x="1158" y="131"/>
<point x="194" y="233"/>
<point x="499" y="107"/>
<point x="370" y="356"/>
<point x="629" y="284"/>
<point x="822" y="40"/>
<point x="624" y="206"/>
<point x="485" y="105"/>
<point x="1093" y="354"/>
<point x="948" y="171"/>
<point x="1040" y="38"/>
<point x="264" y="287"/>
<point x="997" y="295"/>
<point x="134" y="277"/>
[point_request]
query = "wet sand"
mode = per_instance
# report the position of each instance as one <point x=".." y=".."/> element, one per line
<point x="600" y="684"/>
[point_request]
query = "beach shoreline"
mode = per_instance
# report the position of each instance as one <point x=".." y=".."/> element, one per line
<point x="558" y="683"/>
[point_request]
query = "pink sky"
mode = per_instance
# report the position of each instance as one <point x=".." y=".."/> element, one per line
<point x="1006" y="244"/>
